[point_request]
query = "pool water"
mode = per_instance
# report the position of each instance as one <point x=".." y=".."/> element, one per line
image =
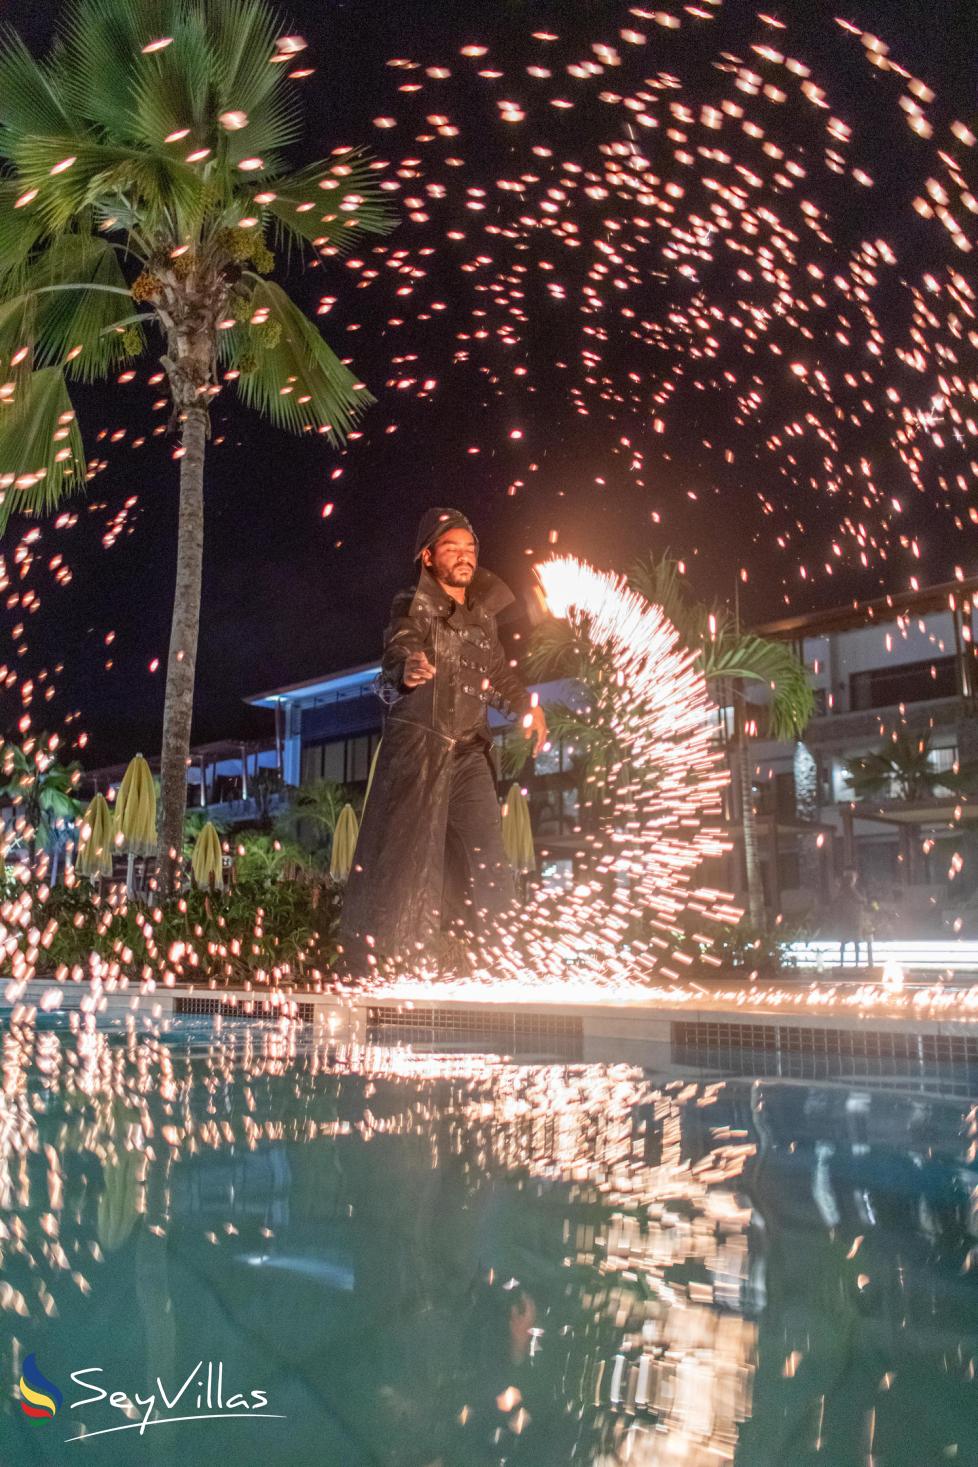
<point x="373" y="1257"/>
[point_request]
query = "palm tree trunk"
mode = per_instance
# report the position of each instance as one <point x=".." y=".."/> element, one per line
<point x="756" y="909"/>
<point x="182" y="660"/>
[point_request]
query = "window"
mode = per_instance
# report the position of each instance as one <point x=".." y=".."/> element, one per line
<point x="911" y="682"/>
<point x="840" y="791"/>
<point x="939" y="760"/>
<point x="557" y="875"/>
<point x="331" y="766"/>
<point x="548" y="760"/>
<point x="322" y="761"/>
<point x="357" y="759"/>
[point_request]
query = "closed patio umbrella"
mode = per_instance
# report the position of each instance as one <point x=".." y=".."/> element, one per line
<point x="366" y="797"/>
<point x="207" y="861"/>
<point x="370" y="775"/>
<point x="517" y="833"/>
<point x="344" y="844"/>
<point x="135" y="813"/>
<point x="97" y="840"/>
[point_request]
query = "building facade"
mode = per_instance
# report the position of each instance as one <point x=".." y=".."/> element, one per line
<point x="905" y="663"/>
<point x="330" y="728"/>
<point x="901" y="666"/>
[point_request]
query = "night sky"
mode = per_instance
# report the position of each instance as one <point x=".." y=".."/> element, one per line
<point x="289" y="594"/>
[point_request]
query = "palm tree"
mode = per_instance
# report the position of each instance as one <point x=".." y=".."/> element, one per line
<point x="143" y="178"/>
<point x="730" y="657"/>
<point x="41" y="790"/>
<point x="726" y="656"/>
<point x="905" y="763"/>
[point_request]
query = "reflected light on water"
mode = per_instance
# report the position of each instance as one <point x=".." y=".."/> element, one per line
<point x="640" y="1270"/>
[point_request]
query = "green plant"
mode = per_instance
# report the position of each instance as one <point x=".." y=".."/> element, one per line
<point x="906" y="763"/>
<point x="284" y="930"/>
<point x="730" y="658"/>
<point x="762" y="951"/>
<point x="41" y="790"/>
<point x="261" y="859"/>
<point x="310" y="817"/>
<point x="193" y="823"/>
<point x="144" y="184"/>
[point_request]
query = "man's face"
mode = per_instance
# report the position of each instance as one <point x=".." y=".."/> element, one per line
<point x="453" y="558"/>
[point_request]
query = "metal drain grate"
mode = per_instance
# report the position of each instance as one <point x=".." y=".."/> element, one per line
<point x="246" y="1008"/>
<point x="794" y="1052"/>
<point x="498" y="1031"/>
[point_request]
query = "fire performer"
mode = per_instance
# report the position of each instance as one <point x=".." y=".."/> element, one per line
<point x="430" y="852"/>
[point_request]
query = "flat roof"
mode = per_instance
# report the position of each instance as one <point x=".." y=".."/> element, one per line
<point x="788" y="628"/>
<point x="860" y="613"/>
<point x="345" y="677"/>
<point x="218" y="752"/>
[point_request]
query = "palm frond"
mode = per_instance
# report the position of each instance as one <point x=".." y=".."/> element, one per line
<point x="244" y="34"/>
<point x="345" y="198"/>
<point x="30" y="97"/>
<point x="38" y="466"/>
<point x="70" y="316"/>
<point x="659" y="581"/>
<point x="165" y="187"/>
<point x="20" y="232"/>
<point x="553" y="651"/>
<point x="298" y="382"/>
<point x="724" y="652"/>
<point x="589" y="739"/>
<point x="561" y="649"/>
<point x="175" y="89"/>
<point x="747" y="658"/>
<point x="18" y="329"/>
<point x="216" y="61"/>
<point x="98" y="56"/>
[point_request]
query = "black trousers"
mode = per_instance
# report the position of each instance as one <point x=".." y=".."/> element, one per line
<point x="479" y="887"/>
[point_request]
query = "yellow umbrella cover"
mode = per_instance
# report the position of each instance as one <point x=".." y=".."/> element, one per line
<point x="517" y="835"/>
<point x="370" y="775"/>
<point x="135" y="809"/>
<point x="344" y="844"/>
<point x="97" y="841"/>
<point x="510" y="819"/>
<point x="527" y="853"/>
<point x="207" y="861"/>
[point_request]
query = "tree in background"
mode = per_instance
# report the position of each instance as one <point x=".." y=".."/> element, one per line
<point x="42" y="792"/>
<point x="728" y="658"/>
<point x="310" y="818"/>
<point x="731" y="658"/>
<point x="144" y="182"/>
<point x="903" y="768"/>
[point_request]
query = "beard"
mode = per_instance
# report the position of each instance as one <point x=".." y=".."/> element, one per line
<point x="460" y="576"/>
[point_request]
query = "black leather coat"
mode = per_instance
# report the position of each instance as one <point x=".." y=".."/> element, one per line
<point x="395" y="890"/>
<point x="471" y="670"/>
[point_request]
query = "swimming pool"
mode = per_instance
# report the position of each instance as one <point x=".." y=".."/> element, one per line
<point x="243" y="1243"/>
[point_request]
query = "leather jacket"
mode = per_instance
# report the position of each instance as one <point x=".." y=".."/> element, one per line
<point x="472" y="673"/>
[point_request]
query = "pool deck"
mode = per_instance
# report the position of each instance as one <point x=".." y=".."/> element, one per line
<point x="628" y="1025"/>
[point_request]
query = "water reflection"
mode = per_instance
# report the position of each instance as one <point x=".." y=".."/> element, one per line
<point x="442" y="1260"/>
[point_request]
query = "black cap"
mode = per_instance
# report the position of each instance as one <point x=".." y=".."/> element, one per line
<point x="435" y="522"/>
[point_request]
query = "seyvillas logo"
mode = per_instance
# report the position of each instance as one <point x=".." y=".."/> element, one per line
<point x="39" y="1397"/>
<point x="202" y="1396"/>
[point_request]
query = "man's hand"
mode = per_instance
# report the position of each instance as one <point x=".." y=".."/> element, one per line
<point x="417" y="669"/>
<point x="535" y="728"/>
